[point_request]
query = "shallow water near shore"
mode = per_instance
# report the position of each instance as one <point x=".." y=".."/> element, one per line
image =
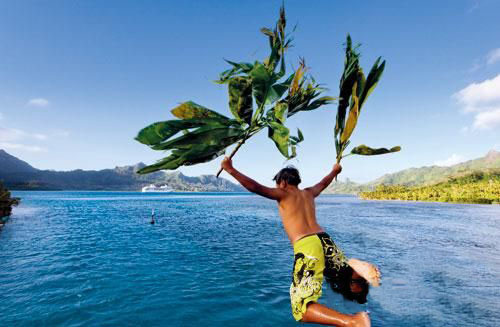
<point x="93" y="259"/>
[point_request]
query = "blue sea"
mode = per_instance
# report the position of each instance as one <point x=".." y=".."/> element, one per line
<point x="93" y="259"/>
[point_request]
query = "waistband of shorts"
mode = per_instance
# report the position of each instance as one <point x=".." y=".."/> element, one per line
<point x="319" y="234"/>
<point x="306" y="239"/>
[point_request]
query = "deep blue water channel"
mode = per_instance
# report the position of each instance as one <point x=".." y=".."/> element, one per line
<point x="93" y="259"/>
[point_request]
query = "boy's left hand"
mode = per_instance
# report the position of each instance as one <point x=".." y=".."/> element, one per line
<point x="227" y="164"/>
<point x="337" y="168"/>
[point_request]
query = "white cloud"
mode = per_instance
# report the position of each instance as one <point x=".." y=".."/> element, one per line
<point x="38" y="102"/>
<point x="478" y="96"/>
<point x="487" y="120"/>
<point x="12" y="138"/>
<point x="482" y="99"/>
<point x="14" y="134"/>
<point x="24" y="147"/>
<point x="453" y="160"/>
<point x="493" y="56"/>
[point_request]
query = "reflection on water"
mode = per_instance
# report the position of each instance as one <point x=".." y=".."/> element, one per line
<point x="92" y="258"/>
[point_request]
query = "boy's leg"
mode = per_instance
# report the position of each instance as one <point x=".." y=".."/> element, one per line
<point x="319" y="314"/>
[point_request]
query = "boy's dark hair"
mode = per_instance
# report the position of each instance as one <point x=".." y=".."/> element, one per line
<point x="340" y="282"/>
<point x="288" y="174"/>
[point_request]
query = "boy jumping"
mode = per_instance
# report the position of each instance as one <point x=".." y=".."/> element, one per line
<point x="316" y="255"/>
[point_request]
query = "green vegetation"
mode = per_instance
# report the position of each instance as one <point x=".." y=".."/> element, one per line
<point x="355" y="88"/>
<point x="476" y="187"/>
<point x="205" y="134"/>
<point x="6" y="204"/>
<point x="435" y="174"/>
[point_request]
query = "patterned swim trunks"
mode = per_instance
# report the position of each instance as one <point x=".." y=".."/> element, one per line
<point x="313" y="254"/>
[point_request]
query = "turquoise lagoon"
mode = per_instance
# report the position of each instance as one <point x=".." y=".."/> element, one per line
<point x="93" y="259"/>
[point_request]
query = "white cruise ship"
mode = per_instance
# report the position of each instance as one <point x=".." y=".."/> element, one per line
<point x="154" y="188"/>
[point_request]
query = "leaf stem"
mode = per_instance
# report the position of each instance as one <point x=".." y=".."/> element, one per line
<point x="232" y="154"/>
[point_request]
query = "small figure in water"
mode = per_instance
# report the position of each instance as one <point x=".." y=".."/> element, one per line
<point x="153" y="217"/>
<point x="316" y="255"/>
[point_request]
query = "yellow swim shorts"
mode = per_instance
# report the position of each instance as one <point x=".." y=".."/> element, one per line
<point x="307" y="278"/>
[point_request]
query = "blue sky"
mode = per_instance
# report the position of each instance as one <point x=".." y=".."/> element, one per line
<point x="79" y="79"/>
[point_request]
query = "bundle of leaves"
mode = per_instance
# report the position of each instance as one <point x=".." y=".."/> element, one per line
<point x="260" y="96"/>
<point x="355" y="88"/>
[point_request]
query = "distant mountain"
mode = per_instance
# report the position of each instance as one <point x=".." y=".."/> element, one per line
<point x="346" y="187"/>
<point x="421" y="176"/>
<point x="19" y="175"/>
<point x="436" y="174"/>
<point x="10" y="164"/>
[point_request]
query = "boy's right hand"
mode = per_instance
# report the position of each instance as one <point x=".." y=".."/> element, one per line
<point x="337" y="168"/>
<point x="227" y="164"/>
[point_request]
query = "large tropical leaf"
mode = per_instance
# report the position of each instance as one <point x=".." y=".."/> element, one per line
<point x="194" y="154"/>
<point x="208" y="135"/>
<point x="367" y="151"/>
<point x="190" y="110"/>
<point x="281" y="137"/>
<point x="240" y="98"/>
<point x="372" y="80"/>
<point x="161" y="131"/>
<point x="262" y="80"/>
<point x="352" y="119"/>
<point x="201" y="153"/>
<point x="281" y="111"/>
<point x="169" y="163"/>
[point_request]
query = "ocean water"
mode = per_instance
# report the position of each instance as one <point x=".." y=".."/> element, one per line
<point x="93" y="259"/>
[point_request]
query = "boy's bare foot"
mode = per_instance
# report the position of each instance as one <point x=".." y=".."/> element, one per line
<point x="361" y="319"/>
<point x="366" y="270"/>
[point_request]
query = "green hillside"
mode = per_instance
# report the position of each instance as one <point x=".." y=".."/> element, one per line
<point x="420" y="176"/>
<point x="436" y="174"/>
<point x="475" y="187"/>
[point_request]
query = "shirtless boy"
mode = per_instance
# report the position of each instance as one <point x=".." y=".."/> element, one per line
<point x="316" y="255"/>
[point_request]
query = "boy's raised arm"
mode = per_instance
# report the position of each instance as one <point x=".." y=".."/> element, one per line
<point x="250" y="184"/>
<point x="318" y="188"/>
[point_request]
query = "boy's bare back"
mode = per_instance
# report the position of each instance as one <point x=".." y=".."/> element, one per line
<point x="298" y="213"/>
